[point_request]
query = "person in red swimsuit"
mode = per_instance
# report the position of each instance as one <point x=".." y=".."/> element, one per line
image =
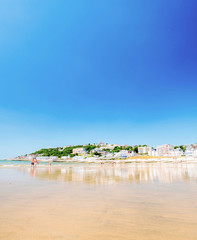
<point x="36" y="162"/>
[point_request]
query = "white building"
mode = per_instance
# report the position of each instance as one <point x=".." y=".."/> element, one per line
<point x="79" y="150"/>
<point x="132" y="154"/>
<point x="177" y="152"/>
<point x="144" y="150"/>
<point x="108" y="154"/>
<point x="101" y="144"/>
<point x="122" y="154"/>
<point x="108" y="146"/>
<point x="165" y="150"/>
<point x="96" y="150"/>
<point x="65" y="157"/>
<point x="153" y="153"/>
<point x="78" y="158"/>
<point x="190" y="152"/>
<point x="51" y="158"/>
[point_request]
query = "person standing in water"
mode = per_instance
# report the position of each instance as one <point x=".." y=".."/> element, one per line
<point x="32" y="162"/>
<point x="36" y="162"/>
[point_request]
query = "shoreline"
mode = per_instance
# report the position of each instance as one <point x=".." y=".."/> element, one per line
<point x="128" y="160"/>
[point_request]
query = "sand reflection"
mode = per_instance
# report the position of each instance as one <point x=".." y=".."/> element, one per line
<point x="119" y="173"/>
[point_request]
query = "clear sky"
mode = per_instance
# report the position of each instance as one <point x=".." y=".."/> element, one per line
<point x="117" y="71"/>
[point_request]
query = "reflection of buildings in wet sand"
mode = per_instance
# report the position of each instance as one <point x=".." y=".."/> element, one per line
<point x="108" y="174"/>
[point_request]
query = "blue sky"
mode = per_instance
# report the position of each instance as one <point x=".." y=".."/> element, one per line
<point x="119" y="71"/>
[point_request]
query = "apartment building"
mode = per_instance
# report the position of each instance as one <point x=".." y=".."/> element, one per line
<point x="165" y="150"/>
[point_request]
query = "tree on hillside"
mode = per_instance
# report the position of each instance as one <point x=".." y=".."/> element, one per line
<point x="135" y="149"/>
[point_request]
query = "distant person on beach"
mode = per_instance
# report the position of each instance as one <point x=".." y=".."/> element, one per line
<point x="36" y="162"/>
<point x="32" y="162"/>
<point x="50" y="162"/>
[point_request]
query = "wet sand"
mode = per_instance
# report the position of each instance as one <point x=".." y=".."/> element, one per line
<point x="139" y="201"/>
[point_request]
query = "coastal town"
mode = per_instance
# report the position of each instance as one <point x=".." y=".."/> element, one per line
<point x="106" y="151"/>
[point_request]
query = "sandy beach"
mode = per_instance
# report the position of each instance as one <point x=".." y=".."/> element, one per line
<point x="90" y="201"/>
